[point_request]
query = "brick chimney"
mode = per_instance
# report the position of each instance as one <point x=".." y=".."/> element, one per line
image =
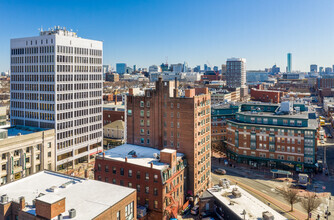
<point x="22" y="202"/>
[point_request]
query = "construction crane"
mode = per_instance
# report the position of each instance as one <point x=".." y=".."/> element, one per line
<point x="217" y="73"/>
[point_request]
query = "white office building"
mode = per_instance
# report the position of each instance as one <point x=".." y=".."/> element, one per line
<point x="56" y="82"/>
<point x="236" y="72"/>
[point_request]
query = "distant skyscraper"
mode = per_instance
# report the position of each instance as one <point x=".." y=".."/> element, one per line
<point x="60" y="88"/>
<point x="215" y="68"/>
<point x="120" y="68"/>
<point x="289" y="67"/>
<point x="134" y="68"/>
<point x="177" y="68"/>
<point x="197" y="68"/>
<point x="205" y="67"/>
<point x="328" y="70"/>
<point x="321" y="69"/>
<point x="236" y="72"/>
<point x="275" y="69"/>
<point x="164" y="67"/>
<point x="153" y="68"/>
<point x="313" y="68"/>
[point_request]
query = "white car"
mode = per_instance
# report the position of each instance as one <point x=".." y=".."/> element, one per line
<point x="322" y="142"/>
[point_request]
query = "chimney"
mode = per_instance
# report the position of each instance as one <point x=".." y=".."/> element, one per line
<point x="104" y="154"/>
<point x="22" y="203"/>
<point x="151" y="165"/>
<point x="115" y="99"/>
<point x="126" y="159"/>
<point x="176" y="88"/>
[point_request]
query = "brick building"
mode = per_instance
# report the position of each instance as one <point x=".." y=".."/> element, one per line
<point x="113" y="112"/>
<point x="275" y="136"/>
<point x="271" y="96"/>
<point x="48" y="195"/>
<point x="166" y="117"/>
<point x="157" y="175"/>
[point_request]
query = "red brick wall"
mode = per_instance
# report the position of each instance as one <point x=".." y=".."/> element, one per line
<point x="111" y="116"/>
<point x="266" y="96"/>
<point x="164" y="111"/>
<point x="111" y="213"/>
<point x="143" y="182"/>
<point x="50" y="210"/>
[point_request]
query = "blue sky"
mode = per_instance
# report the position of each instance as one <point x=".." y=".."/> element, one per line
<point x="145" y="32"/>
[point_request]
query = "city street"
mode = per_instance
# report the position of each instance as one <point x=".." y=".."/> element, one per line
<point x="262" y="183"/>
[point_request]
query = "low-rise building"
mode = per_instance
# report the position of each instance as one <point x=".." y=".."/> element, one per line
<point x="51" y="195"/>
<point x="271" y="96"/>
<point x="235" y="203"/>
<point x="112" y="77"/>
<point x="24" y="151"/>
<point x="113" y="112"/>
<point x="280" y="136"/>
<point x="219" y="114"/>
<point x="113" y="134"/>
<point x="158" y="176"/>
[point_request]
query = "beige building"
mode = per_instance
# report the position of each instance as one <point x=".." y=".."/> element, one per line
<point x="3" y="115"/>
<point x="113" y="133"/>
<point x="24" y="151"/>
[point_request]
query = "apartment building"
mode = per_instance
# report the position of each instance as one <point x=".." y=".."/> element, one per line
<point x="157" y="175"/>
<point x="51" y="195"/>
<point x="167" y="117"/>
<point x="56" y="82"/>
<point x="281" y="136"/>
<point x="25" y="151"/>
<point x="219" y="114"/>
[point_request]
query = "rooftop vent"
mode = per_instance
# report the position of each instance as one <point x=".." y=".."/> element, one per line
<point x="60" y="217"/>
<point x="4" y="198"/>
<point x="52" y="189"/>
<point x="72" y="213"/>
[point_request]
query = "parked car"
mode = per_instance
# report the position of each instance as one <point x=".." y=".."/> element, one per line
<point x="220" y="171"/>
<point x="195" y="210"/>
<point x="322" y="142"/>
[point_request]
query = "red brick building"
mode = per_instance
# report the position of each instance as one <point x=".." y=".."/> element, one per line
<point x="157" y="175"/>
<point x="166" y="117"/>
<point x="51" y="195"/>
<point x="271" y="96"/>
<point x="112" y="112"/>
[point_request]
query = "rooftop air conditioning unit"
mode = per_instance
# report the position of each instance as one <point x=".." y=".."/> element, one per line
<point x="60" y="217"/>
<point x="4" y="198"/>
<point x="72" y="213"/>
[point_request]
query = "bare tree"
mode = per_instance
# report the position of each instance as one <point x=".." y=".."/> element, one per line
<point x="291" y="196"/>
<point x="310" y="203"/>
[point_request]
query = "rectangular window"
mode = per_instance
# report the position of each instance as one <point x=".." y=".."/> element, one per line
<point x="122" y="171"/>
<point x="114" y="170"/>
<point x="147" y="176"/>
<point x="147" y="189"/>
<point x="138" y="188"/>
<point x="130" y="173"/>
<point x="138" y="174"/>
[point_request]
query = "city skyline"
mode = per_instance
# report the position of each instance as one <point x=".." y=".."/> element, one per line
<point x="263" y="32"/>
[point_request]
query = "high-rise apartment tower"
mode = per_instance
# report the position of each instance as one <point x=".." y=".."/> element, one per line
<point x="166" y="117"/>
<point x="236" y="72"/>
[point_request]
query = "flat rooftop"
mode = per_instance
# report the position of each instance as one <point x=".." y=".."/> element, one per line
<point x="144" y="155"/>
<point x="88" y="197"/>
<point x="253" y="207"/>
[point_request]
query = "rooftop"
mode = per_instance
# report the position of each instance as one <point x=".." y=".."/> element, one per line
<point x="253" y="207"/>
<point x="144" y="155"/>
<point x="97" y="197"/>
<point x="119" y="124"/>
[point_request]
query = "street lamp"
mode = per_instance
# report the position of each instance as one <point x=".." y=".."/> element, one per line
<point x="244" y="213"/>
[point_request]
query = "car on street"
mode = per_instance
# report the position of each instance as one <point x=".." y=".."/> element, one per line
<point x="322" y="142"/>
<point x="220" y="171"/>
<point x="195" y="210"/>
